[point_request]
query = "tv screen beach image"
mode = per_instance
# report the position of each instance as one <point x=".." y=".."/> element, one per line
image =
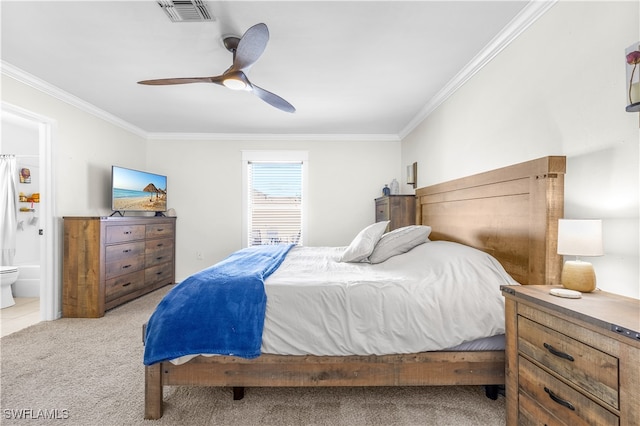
<point x="135" y="190"/>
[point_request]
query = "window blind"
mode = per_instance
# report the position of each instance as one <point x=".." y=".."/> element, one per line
<point x="275" y="202"/>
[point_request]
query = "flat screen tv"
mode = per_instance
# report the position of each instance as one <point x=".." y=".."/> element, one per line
<point x="137" y="191"/>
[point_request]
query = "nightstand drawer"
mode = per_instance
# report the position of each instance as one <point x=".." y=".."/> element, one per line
<point x="592" y="370"/>
<point x="542" y="396"/>
<point x="382" y="210"/>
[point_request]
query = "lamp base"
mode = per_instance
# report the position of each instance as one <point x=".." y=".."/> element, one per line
<point x="579" y="276"/>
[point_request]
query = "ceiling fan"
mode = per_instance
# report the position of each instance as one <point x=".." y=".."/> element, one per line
<point x="246" y="51"/>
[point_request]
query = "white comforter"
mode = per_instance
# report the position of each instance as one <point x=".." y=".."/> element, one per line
<point x="436" y="296"/>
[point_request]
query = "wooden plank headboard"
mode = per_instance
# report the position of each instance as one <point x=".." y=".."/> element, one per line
<point x="511" y="213"/>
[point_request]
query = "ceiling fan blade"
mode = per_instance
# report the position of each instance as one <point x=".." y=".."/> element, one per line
<point x="166" y="81"/>
<point x="273" y="99"/>
<point x="250" y="47"/>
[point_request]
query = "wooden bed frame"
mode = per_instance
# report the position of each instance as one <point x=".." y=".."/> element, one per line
<point x="511" y="212"/>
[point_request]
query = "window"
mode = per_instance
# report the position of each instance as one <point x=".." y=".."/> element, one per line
<point x="273" y="194"/>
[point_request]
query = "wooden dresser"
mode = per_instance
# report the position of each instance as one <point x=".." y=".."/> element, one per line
<point x="571" y="361"/>
<point x="400" y="210"/>
<point x="111" y="260"/>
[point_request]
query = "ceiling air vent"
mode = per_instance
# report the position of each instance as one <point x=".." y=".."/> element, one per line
<point x="186" y="10"/>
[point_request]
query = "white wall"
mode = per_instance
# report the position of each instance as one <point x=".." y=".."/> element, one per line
<point x="559" y="89"/>
<point x="85" y="147"/>
<point x="204" y="186"/>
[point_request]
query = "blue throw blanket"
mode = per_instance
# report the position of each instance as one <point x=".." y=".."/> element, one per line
<point x="219" y="310"/>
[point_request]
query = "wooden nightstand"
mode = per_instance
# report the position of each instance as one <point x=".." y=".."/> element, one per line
<point x="571" y="361"/>
<point x="400" y="210"/>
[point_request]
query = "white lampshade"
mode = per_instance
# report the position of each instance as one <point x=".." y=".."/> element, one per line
<point x="580" y="237"/>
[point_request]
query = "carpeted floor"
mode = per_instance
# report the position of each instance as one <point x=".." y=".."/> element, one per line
<point x="90" y="372"/>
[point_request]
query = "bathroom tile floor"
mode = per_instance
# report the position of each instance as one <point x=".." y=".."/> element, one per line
<point x="24" y="313"/>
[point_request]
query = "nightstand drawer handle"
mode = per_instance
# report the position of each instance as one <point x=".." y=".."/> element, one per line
<point x="559" y="400"/>
<point x="557" y="352"/>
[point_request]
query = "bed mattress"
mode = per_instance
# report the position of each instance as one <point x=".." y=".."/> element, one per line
<point x="437" y="296"/>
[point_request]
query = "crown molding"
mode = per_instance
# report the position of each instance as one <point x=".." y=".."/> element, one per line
<point x="51" y="90"/>
<point x="346" y="137"/>
<point x="527" y="16"/>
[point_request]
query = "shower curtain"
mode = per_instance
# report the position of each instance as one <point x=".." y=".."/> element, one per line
<point x="8" y="208"/>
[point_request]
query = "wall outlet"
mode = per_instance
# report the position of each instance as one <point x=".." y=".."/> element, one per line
<point x="199" y="255"/>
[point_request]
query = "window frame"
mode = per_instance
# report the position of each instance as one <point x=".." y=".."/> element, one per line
<point x="274" y="156"/>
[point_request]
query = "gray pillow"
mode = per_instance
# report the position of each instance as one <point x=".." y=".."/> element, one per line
<point x="399" y="241"/>
<point x="363" y="244"/>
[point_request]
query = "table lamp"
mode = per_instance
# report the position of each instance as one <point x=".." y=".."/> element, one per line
<point x="579" y="237"/>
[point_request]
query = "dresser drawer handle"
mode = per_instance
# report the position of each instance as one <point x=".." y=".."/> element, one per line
<point x="159" y="257"/>
<point x="124" y="285"/>
<point x="126" y="251"/>
<point x="127" y="232"/>
<point x="159" y="273"/>
<point x="160" y="229"/>
<point x="557" y="352"/>
<point x="159" y="245"/>
<point x="126" y="266"/>
<point x="559" y="400"/>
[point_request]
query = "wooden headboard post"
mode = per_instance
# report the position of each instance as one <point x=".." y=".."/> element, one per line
<point x="511" y="213"/>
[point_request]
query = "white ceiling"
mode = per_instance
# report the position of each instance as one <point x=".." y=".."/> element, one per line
<point x="349" y="68"/>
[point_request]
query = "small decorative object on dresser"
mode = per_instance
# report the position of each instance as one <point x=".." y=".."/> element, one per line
<point x="571" y="361"/>
<point x="394" y="186"/>
<point x="400" y="210"/>
<point x="111" y="260"/>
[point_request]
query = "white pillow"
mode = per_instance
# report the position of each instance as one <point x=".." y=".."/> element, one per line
<point x="399" y="241"/>
<point x="363" y="244"/>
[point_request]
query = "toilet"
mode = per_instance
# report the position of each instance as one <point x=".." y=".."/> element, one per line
<point x="8" y="276"/>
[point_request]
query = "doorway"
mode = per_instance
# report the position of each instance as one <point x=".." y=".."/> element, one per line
<point x="48" y="226"/>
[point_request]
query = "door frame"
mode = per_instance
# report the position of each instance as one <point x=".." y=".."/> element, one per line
<point x="50" y="249"/>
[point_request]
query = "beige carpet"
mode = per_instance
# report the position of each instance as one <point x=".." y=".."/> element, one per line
<point x="90" y="372"/>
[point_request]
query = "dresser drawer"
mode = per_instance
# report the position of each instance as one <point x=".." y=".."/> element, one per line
<point x="543" y="399"/>
<point x="123" y="251"/>
<point x="124" y="266"/>
<point x="123" y="233"/>
<point x="156" y="256"/>
<point x="159" y="273"/>
<point x="123" y="284"/>
<point x="158" y="230"/>
<point x="163" y="244"/>
<point x="592" y="370"/>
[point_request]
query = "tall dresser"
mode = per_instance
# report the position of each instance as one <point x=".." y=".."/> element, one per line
<point x="571" y="361"/>
<point x="111" y="260"/>
<point x="400" y="210"/>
